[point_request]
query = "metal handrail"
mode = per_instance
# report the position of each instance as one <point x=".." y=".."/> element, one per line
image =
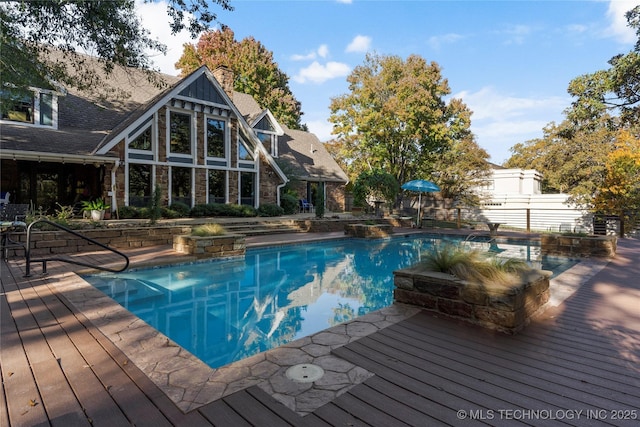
<point x="68" y="230"/>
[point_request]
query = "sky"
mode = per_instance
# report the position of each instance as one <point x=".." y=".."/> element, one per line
<point x="510" y="61"/>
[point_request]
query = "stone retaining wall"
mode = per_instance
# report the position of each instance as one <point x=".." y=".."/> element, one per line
<point x="578" y="246"/>
<point x="123" y="237"/>
<point x="505" y="308"/>
<point x="210" y="246"/>
<point x="368" y="231"/>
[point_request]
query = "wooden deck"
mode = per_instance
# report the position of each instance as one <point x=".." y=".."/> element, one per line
<point x="578" y="364"/>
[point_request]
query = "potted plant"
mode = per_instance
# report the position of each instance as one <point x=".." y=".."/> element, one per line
<point x="96" y="208"/>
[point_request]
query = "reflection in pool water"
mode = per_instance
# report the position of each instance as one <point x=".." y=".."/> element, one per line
<point x="226" y="310"/>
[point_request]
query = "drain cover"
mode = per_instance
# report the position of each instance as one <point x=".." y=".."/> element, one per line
<point x="305" y="373"/>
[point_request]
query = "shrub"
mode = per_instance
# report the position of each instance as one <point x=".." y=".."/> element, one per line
<point x="128" y="212"/>
<point x="270" y="210"/>
<point x="221" y="209"/>
<point x="289" y="204"/>
<point x="180" y="209"/>
<point x="472" y="265"/>
<point x="205" y="230"/>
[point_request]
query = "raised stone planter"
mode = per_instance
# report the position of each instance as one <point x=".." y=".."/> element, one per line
<point x="505" y="308"/>
<point x="578" y="246"/>
<point x="225" y="245"/>
<point x="368" y="231"/>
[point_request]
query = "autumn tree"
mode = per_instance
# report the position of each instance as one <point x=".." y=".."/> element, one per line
<point x="620" y="189"/>
<point x="571" y="158"/>
<point x="109" y="30"/>
<point x="256" y="73"/>
<point x="395" y="119"/>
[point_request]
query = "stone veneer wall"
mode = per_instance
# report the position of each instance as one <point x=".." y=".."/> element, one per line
<point x="505" y="308"/>
<point x="367" y="231"/>
<point x="210" y="246"/>
<point x="132" y="236"/>
<point x="596" y="246"/>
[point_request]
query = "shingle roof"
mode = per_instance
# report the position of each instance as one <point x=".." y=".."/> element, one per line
<point x="87" y="117"/>
<point x="87" y="120"/>
<point x="307" y="158"/>
<point x="300" y="153"/>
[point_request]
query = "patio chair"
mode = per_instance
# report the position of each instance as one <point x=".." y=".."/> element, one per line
<point x="12" y="220"/>
<point x="306" y="206"/>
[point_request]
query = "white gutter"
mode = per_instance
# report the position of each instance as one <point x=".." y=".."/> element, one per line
<point x="40" y="156"/>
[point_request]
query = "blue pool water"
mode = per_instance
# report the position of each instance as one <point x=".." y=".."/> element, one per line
<point x="226" y="310"/>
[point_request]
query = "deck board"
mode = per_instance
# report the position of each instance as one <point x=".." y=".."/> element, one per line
<point x="581" y="355"/>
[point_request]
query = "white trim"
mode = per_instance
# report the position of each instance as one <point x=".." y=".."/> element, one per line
<point x="226" y="138"/>
<point x="192" y="136"/>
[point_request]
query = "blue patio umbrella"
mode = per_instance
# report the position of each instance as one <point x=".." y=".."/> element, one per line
<point x="420" y="186"/>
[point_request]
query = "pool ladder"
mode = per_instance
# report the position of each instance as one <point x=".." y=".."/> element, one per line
<point x="69" y="261"/>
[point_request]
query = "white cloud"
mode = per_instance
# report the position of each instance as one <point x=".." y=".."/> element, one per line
<point x="321" y="128"/>
<point x="359" y="44"/>
<point x="345" y="1"/>
<point x="516" y="34"/>
<point x="500" y="121"/>
<point x="436" y="41"/>
<point x="318" y="73"/>
<point x="618" y="27"/>
<point x="154" y="18"/>
<point x="322" y="52"/>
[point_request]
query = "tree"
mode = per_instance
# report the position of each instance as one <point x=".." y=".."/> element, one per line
<point x="375" y="185"/>
<point x="620" y="189"/>
<point x="395" y="119"/>
<point x="110" y="30"/>
<point x="571" y="158"/>
<point x="255" y="71"/>
<point x="614" y="89"/>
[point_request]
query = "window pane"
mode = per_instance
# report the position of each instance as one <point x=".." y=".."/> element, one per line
<point x="19" y="110"/>
<point x="143" y="141"/>
<point x="181" y="185"/>
<point x="243" y="153"/>
<point x="247" y="186"/>
<point x="180" y="133"/>
<point x="217" y="186"/>
<point x="215" y="138"/>
<point x="46" y="109"/>
<point x="140" y="186"/>
<point x="266" y="141"/>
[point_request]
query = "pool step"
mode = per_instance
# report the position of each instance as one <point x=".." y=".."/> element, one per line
<point x="262" y="227"/>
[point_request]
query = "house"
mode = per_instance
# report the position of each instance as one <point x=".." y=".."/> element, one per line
<point x="194" y="137"/>
<point x="514" y="197"/>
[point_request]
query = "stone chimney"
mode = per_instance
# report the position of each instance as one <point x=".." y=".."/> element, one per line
<point x="224" y="76"/>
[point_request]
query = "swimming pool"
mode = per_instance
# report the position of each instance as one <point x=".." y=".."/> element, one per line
<point x="226" y="310"/>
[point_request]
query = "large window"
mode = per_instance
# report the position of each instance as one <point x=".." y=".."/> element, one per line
<point x="247" y="188"/>
<point x="142" y="141"/>
<point x="181" y="185"/>
<point x="140" y="185"/>
<point x="180" y="132"/>
<point x="217" y="186"/>
<point x="215" y="138"/>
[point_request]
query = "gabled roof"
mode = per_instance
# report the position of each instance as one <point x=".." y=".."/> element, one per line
<point x="301" y="153"/>
<point x="86" y="117"/>
<point x="90" y="124"/>
<point x="307" y="158"/>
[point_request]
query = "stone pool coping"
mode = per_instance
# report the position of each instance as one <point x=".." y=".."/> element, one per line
<point x="190" y="383"/>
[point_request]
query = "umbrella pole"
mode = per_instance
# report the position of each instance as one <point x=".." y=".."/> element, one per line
<point x="419" y="207"/>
